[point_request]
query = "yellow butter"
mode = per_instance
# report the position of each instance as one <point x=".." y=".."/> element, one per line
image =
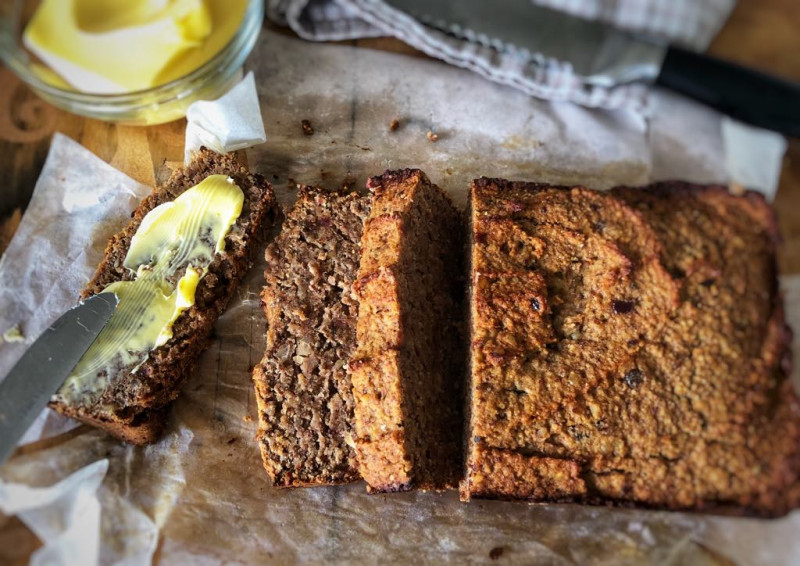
<point x="13" y="334"/>
<point x="169" y="254"/>
<point x="116" y="46"/>
<point x="191" y="228"/>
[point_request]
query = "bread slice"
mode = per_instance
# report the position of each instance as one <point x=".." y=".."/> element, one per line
<point x="134" y="405"/>
<point x="407" y="372"/>
<point x="305" y="401"/>
<point x="629" y="348"/>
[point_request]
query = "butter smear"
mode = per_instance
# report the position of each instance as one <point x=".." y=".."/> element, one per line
<point x="168" y="256"/>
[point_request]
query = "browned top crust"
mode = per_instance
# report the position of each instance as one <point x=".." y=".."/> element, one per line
<point x="629" y="347"/>
<point x="302" y="385"/>
<point x="131" y="407"/>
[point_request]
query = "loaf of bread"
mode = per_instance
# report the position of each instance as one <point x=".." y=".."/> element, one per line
<point x="303" y="390"/>
<point x="407" y="373"/>
<point x="629" y="347"/>
<point x="133" y="402"/>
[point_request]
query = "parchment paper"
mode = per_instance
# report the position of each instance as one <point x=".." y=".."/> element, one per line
<point x="230" y="123"/>
<point x="79" y="202"/>
<point x="202" y="491"/>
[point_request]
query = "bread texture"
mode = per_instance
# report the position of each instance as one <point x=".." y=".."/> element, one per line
<point x="408" y="369"/>
<point x="134" y="405"/>
<point x="303" y="389"/>
<point x="630" y="348"/>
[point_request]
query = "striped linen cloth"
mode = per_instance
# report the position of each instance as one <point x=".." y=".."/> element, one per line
<point x="689" y="23"/>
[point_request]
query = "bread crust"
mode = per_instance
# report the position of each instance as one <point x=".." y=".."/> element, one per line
<point x="144" y="429"/>
<point x="629" y="348"/>
<point x="132" y="407"/>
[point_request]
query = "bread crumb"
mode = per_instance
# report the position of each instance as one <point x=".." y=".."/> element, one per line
<point x="307" y="129"/>
<point x="394" y="124"/>
<point x="496" y="552"/>
<point x="349" y="182"/>
<point x="433" y="137"/>
<point x="247" y="419"/>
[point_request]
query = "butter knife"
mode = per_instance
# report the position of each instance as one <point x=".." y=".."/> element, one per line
<point x="45" y="366"/>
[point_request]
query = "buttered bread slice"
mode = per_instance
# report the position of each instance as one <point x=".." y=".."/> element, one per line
<point x="173" y="269"/>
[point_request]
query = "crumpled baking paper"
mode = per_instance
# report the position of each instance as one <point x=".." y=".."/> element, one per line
<point x="747" y="149"/>
<point x="79" y="200"/>
<point x="230" y="123"/>
<point x="66" y="514"/>
<point x="86" y="502"/>
<point x="201" y="494"/>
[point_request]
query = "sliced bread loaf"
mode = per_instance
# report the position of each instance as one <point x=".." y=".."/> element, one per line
<point x="407" y="373"/>
<point x="629" y="347"/>
<point x="305" y="401"/>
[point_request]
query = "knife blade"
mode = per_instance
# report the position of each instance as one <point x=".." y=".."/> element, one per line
<point x="599" y="53"/>
<point x="605" y="56"/>
<point x="45" y="366"/>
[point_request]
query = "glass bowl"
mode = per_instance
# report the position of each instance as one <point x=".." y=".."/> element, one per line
<point x="156" y="105"/>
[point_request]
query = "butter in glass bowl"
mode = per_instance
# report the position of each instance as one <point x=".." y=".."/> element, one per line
<point x="128" y="61"/>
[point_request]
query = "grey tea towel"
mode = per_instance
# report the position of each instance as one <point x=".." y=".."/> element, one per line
<point x="689" y="23"/>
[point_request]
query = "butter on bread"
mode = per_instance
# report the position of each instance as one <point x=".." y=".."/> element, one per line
<point x="132" y="404"/>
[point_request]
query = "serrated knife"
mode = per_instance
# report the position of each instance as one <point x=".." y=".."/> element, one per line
<point x="45" y="366"/>
<point x="606" y="56"/>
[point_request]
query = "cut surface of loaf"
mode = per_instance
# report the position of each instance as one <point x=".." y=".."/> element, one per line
<point x="133" y="405"/>
<point x="303" y="390"/>
<point x="407" y="373"/>
<point x="629" y="347"/>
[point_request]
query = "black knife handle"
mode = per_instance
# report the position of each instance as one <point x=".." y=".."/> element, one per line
<point x="747" y="95"/>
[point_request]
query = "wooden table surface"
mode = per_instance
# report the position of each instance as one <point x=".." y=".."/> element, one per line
<point x="760" y="33"/>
